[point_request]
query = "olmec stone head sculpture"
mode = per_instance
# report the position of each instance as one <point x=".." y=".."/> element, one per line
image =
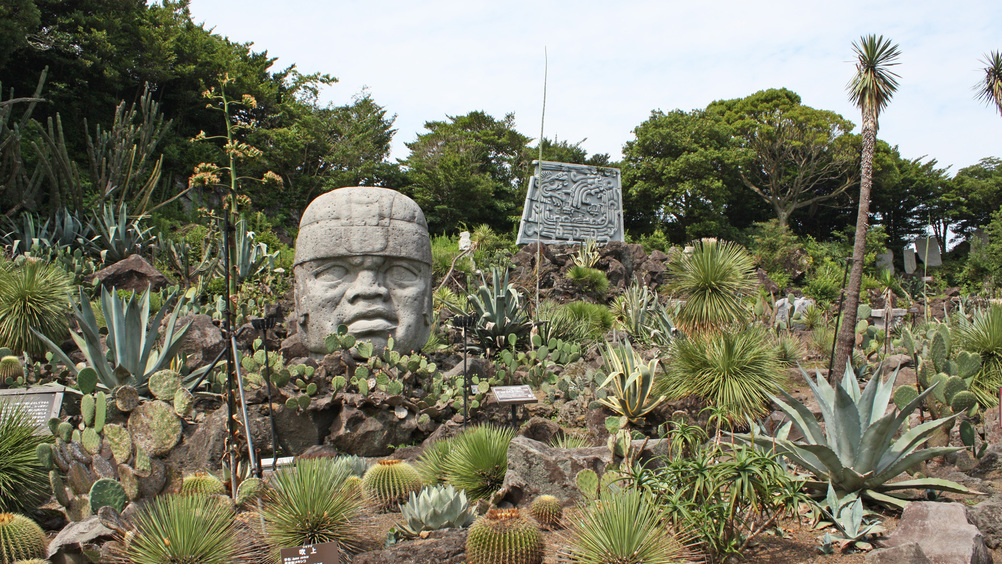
<point x="363" y="259"/>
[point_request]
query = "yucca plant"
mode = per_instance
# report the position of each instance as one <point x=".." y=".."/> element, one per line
<point x="624" y="527"/>
<point x="23" y="482"/>
<point x="34" y="297"/>
<point x="431" y="463"/>
<point x="857" y="451"/>
<point x="478" y="461"/>
<point x="983" y="336"/>
<point x="311" y="503"/>
<point x="184" y="528"/>
<point x="736" y="372"/>
<point x="133" y="353"/>
<point x="712" y="281"/>
<point x="630" y="382"/>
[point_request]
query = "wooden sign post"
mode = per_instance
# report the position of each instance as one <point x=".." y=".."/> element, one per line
<point x="514" y="396"/>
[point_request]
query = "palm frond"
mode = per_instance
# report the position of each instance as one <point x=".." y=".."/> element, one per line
<point x="874" y="84"/>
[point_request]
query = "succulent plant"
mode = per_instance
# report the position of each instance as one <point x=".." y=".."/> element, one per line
<point x="434" y="508"/>
<point x="120" y="441"/>
<point x="155" y="427"/>
<point x="20" y="538"/>
<point x="33" y="561"/>
<point x="546" y="510"/>
<point x="202" y="483"/>
<point x="857" y="451"/>
<point x="184" y="528"/>
<point x="11" y="371"/>
<point x="389" y="482"/>
<point x="22" y="478"/>
<point x="504" y="536"/>
<point x="431" y="463"/>
<point x="107" y="492"/>
<point x="355" y="465"/>
<point x="478" y="461"/>
<point x="248" y="491"/>
<point x="164" y="383"/>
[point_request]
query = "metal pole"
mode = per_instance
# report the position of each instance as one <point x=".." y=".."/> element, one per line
<point x="243" y="411"/>
<point x="264" y="325"/>
<point x="838" y="316"/>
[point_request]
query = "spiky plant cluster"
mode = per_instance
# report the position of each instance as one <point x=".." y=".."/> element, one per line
<point x="174" y="529"/>
<point x="23" y="482"/>
<point x="624" y="527"/>
<point x="478" y="461"/>
<point x="736" y="372"/>
<point x="431" y="463"/>
<point x="390" y="482"/>
<point x="504" y="536"/>
<point x="356" y="465"/>
<point x="713" y="280"/>
<point x="434" y="508"/>
<point x="202" y="483"/>
<point x="311" y="503"/>
<point x="33" y="296"/>
<point x="984" y="337"/>
<point x="20" y="538"/>
<point x="546" y="510"/>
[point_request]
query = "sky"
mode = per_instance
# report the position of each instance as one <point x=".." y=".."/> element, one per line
<point x="608" y="64"/>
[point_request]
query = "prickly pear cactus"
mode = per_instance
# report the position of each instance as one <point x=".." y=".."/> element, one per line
<point x="504" y="536"/>
<point x="155" y="427"/>
<point x="109" y="493"/>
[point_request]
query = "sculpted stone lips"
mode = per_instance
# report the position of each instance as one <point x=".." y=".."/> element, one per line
<point x="372" y="321"/>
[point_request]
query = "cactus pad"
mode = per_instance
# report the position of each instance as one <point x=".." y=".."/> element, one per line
<point x="86" y="380"/>
<point x="503" y="536"/>
<point x="904" y="395"/>
<point x="20" y="538"/>
<point x="164" y="384"/>
<point x="964" y="401"/>
<point x="183" y="401"/>
<point x="109" y="493"/>
<point x="90" y="440"/>
<point x="546" y="510"/>
<point x="120" y="442"/>
<point x="87" y="409"/>
<point x="155" y="428"/>
<point x="953" y="385"/>
<point x="390" y="482"/>
<point x="126" y="398"/>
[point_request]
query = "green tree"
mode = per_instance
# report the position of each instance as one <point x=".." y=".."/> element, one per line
<point x="976" y="194"/>
<point x="870" y="89"/>
<point x="794" y="156"/>
<point x="562" y="151"/>
<point x="906" y="195"/>
<point x="680" y="175"/>
<point x="470" y="169"/>
<point x="18" y="18"/>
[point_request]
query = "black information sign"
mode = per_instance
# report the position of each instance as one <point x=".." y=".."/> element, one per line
<point x="323" y="553"/>
<point x="41" y="403"/>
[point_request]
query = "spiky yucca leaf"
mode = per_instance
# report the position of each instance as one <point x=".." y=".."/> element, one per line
<point x="737" y="372"/>
<point x="630" y="381"/>
<point x="624" y="527"/>
<point x="184" y="528"/>
<point x="479" y="460"/>
<point x="310" y="503"/>
<point x="983" y="336"/>
<point x="34" y="295"/>
<point x="713" y="281"/>
<point x="23" y="482"/>
<point x="431" y="463"/>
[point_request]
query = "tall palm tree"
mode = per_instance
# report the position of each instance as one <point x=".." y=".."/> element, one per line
<point x="990" y="89"/>
<point x="871" y="89"/>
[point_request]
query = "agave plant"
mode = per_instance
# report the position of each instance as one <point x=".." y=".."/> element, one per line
<point x="434" y="508"/>
<point x="857" y="451"/>
<point x="643" y="317"/>
<point x="250" y="258"/>
<point x="631" y="382"/>
<point x="850" y="520"/>
<point x="499" y="310"/>
<point x="118" y="237"/>
<point x="133" y="355"/>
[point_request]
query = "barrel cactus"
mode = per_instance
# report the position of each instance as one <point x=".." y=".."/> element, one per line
<point x="202" y="483"/>
<point x="390" y="481"/>
<point x="11" y="371"/>
<point x="434" y="508"/>
<point x="20" y="538"/>
<point x="546" y="510"/>
<point x="504" y="536"/>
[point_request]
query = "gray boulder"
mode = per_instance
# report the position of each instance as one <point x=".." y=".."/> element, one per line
<point x="74" y="536"/>
<point x="535" y="469"/>
<point x="942" y="532"/>
<point x="987" y="517"/>
<point x="910" y="553"/>
<point x="370" y="431"/>
<point x="132" y="273"/>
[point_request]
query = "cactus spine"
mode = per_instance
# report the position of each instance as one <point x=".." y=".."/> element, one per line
<point x="20" y="538"/>
<point x="503" y="536"/>
<point x="390" y="481"/>
<point x="546" y="510"/>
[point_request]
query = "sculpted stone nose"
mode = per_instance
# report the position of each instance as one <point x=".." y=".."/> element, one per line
<point x="367" y="285"/>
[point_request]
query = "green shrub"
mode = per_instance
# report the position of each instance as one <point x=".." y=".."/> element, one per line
<point x="478" y="461"/>
<point x="557" y="321"/>
<point x="24" y="484"/>
<point x="779" y="252"/>
<point x="624" y="527"/>
<point x="824" y="283"/>
<point x="596" y="317"/>
<point x="185" y="528"/>
<point x="714" y="281"/>
<point x="311" y="503"/>
<point x="737" y="371"/>
<point x="33" y="295"/>
<point x="590" y="279"/>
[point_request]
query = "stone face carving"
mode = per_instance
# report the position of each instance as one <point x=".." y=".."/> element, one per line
<point x="571" y="203"/>
<point x="363" y="259"/>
